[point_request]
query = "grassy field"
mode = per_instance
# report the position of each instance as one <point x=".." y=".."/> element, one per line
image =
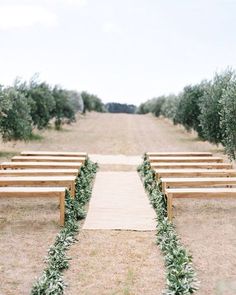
<point x="207" y="228"/>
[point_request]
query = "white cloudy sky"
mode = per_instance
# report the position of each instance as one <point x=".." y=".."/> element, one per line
<point x="121" y="50"/>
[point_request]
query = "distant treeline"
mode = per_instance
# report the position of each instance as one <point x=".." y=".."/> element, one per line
<point x="113" y="107"/>
<point x="209" y="108"/>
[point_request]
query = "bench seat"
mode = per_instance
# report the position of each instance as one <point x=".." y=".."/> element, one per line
<point x="186" y="159"/>
<point x="160" y="173"/>
<point x="54" y="153"/>
<point x="42" y="181"/>
<point x="35" y="192"/>
<point x="178" y="165"/>
<point x="36" y="165"/>
<point x="197" y="182"/>
<point x="172" y="193"/>
<point x="39" y="172"/>
<point x="47" y="159"/>
<point x="179" y="154"/>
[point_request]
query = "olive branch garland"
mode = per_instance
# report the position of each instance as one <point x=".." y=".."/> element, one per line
<point x="51" y="281"/>
<point x="180" y="275"/>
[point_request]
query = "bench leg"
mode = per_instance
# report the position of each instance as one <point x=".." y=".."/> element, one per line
<point x="169" y="206"/>
<point x="62" y="209"/>
<point x="163" y="186"/>
<point x="72" y="189"/>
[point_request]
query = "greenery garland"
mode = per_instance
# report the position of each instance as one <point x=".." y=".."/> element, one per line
<point x="51" y="281"/>
<point x="181" y="278"/>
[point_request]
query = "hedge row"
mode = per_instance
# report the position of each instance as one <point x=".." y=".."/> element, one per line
<point x="28" y="105"/>
<point x="180" y="275"/>
<point x="51" y="281"/>
<point x="209" y="108"/>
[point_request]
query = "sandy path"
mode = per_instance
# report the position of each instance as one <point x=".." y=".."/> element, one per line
<point x="207" y="228"/>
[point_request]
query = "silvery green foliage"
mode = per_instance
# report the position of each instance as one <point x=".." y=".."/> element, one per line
<point x="92" y="103"/>
<point x="228" y="119"/>
<point x="15" y="119"/>
<point x="76" y="100"/>
<point x="188" y="110"/>
<point x="181" y="278"/>
<point x="169" y="107"/>
<point x="210" y="107"/>
<point x="51" y="281"/>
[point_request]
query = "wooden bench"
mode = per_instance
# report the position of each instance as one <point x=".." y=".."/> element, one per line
<point x="196" y="193"/>
<point x="42" y="181"/>
<point x="179" y="154"/>
<point x="160" y="173"/>
<point x="197" y="182"/>
<point x="178" y="165"/>
<point x="31" y="192"/>
<point x="52" y="153"/>
<point x="39" y="172"/>
<point x="47" y="159"/>
<point x="37" y="165"/>
<point x="185" y="159"/>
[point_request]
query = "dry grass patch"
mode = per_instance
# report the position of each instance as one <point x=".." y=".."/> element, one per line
<point x="115" y="263"/>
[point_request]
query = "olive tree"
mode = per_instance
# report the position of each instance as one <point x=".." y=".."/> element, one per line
<point x="228" y="118"/>
<point x="15" y="118"/>
<point x="188" y="109"/>
<point x="43" y="103"/>
<point x="170" y="106"/>
<point x="63" y="107"/>
<point x="210" y="107"/>
<point x="92" y="103"/>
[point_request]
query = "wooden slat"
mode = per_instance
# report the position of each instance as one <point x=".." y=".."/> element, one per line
<point x="185" y="159"/>
<point x="37" y="192"/>
<point x="53" y="153"/>
<point x="37" y="165"/>
<point x="201" y="192"/>
<point x="43" y="181"/>
<point x="172" y="193"/>
<point x="178" y="165"/>
<point x="47" y="159"/>
<point x="197" y="182"/>
<point x="39" y="172"/>
<point x="160" y="173"/>
<point x="179" y="154"/>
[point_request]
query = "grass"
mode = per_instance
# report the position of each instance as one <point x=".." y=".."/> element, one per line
<point x="36" y="137"/>
<point x="4" y="154"/>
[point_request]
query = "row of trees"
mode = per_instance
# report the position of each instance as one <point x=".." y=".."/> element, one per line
<point x="26" y="106"/>
<point x="114" y="107"/>
<point x="209" y="108"/>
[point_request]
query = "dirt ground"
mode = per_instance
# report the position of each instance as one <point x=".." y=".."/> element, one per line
<point x="115" y="263"/>
<point x="207" y="228"/>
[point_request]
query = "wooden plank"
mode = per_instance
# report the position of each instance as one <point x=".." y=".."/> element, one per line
<point x="33" y="192"/>
<point x="201" y="192"/>
<point x="178" y="165"/>
<point x="39" y="172"/>
<point x="43" y="181"/>
<point x="179" y="154"/>
<point x="53" y="153"/>
<point x="172" y="193"/>
<point x="36" y="165"/>
<point x="160" y="173"/>
<point x="185" y="159"/>
<point x="47" y="159"/>
<point x="197" y="182"/>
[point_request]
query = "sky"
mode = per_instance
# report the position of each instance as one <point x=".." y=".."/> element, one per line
<point x="126" y="51"/>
